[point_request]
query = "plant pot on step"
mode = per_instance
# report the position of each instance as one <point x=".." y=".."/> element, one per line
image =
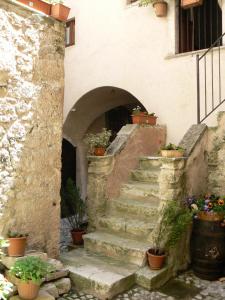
<point x="160" y="7"/>
<point x="60" y="12"/>
<point x="155" y="261"/>
<point x="38" y="5"/>
<point x="28" y="290"/>
<point x="190" y="3"/>
<point x="172" y="153"/>
<point x="99" y="151"/>
<point x="151" y="120"/>
<point x="17" y="246"/>
<point x="77" y="236"/>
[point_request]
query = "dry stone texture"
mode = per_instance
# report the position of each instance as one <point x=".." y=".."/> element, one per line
<point x="31" y="102"/>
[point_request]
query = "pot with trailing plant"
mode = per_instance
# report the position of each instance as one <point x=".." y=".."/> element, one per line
<point x="30" y="272"/>
<point x="73" y="209"/>
<point x="138" y="116"/>
<point x="17" y="243"/>
<point x="175" y="220"/>
<point x="172" y="151"/>
<point x="59" y="11"/>
<point x="160" y="6"/>
<point x="98" y="142"/>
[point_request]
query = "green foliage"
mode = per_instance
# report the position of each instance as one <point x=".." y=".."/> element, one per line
<point x="31" y="268"/>
<point x="73" y="206"/>
<point x="146" y="2"/>
<point x="15" y="234"/>
<point x="100" y="139"/>
<point x="175" y="221"/>
<point x="171" y="146"/>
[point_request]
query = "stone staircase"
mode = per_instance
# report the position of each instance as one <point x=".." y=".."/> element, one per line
<point x="114" y="256"/>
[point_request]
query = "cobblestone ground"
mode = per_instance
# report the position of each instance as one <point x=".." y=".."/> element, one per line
<point x="186" y="286"/>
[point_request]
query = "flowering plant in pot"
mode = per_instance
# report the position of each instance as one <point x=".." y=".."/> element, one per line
<point x="17" y="243"/>
<point x="73" y="209"/>
<point x="175" y="220"/>
<point x="160" y="6"/>
<point x="30" y="272"/>
<point x="58" y="10"/>
<point x="171" y="150"/>
<point x="138" y="116"/>
<point x="98" y="142"/>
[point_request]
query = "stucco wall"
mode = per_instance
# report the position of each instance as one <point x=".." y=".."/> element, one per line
<point x="129" y="47"/>
<point x="31" y="97"/>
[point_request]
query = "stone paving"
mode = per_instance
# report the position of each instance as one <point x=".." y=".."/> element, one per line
<point x="185" y="287"/>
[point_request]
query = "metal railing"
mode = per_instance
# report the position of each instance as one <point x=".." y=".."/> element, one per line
<point x="209" y="86"/>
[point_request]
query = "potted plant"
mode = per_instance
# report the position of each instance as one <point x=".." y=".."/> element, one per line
<point x="17" y="243"/>
<point x="98" y="142"/>
<point x="58" y="10"/>
<point x="151" y="119"/>
<point x="191" y="3"/>
<point x="30" y="272"/>
<point x="40" y="5"/>
<point x="174" y="222"/>
<point x="73" y="208"/>
<point x="138" y="116"/>
<point x="160" y="6"/>
<point x="171" y="150"/>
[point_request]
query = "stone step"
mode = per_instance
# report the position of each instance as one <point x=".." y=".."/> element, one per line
<point x="139" y="189"/>
<point x="125" y="249"/>
<point x="97" y="274"/>
<point x="150" y="162"/>
<point x="138" y="207"/>
<point x="145" y="175"/>
<point x="135" y="228"/>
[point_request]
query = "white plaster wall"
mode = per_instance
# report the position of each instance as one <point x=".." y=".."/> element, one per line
<point x="128" y="47"/>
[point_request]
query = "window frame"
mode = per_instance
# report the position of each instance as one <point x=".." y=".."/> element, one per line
<point x="70" y="23"/>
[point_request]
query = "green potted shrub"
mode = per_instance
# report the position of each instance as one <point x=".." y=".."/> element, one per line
<point x="175" y="220"/>
<point x="171" y="150"/>
<point x="160" y="6"/>
<point x="98" y="142"/>
<point x="30" y="272"/>
<point x="17" y="243"/>
<point x="73" y="208"/>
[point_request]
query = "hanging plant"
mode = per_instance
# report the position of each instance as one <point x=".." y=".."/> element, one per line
<point x="160" y="6"/>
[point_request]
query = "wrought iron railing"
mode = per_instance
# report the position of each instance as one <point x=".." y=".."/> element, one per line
<point x="210" y="72"/>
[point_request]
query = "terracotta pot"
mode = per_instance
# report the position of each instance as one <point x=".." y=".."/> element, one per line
<point x="172" y="153"/>
<point x="160" y="8"/>
<point x="139" y="118"/>
<point x="38" y="5"/>
<point x="155" y="262"/>
<point x="28" y="290"/>
<point x="191" y="3"/>
<point x="60" y="12"/>
<point x="17" y="246"/>
<point x="99" y="151"/>
<point x="151" y="120"/>
<point x="213" y="216"/>
<point x="77" y="236"/>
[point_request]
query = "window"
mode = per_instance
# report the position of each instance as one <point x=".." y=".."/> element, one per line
<point x="70" y="32"/>
<point x="199" y="27"/>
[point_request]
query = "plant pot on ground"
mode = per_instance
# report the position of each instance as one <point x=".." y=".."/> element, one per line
<point x="42" y="6"/>
<point x="98" y="142"/>
<point x="73" y="209"/>
<point x="175" y="220"/>
<point x="31" y="272"/>
<point x="172" y="151"/>
<point x="160" y="6"/>
<point x="17" y="243"/>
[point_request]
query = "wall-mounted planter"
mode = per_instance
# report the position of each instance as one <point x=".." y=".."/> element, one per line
<point x="191" y="3"/>
<point x="60" y="12"/>
<point x="38" y="5"/>
<point x="160" y="7"/>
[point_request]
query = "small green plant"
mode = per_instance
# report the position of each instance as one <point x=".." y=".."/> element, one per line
<point x="31" y="268"/>
<point x="15" y="234"/>
<point x="73" y="206"/>
<point x="147" y="2"/>
<point x="174" y="222"/>
<point x="171" y="146"/>
<point x="100" y="139"/>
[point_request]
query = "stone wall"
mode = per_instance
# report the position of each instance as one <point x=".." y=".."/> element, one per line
<point x="31" y="103"/>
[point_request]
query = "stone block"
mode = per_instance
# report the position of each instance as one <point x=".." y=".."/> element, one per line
<point x="57" y="275"/>
<point x="56" y="264"/>
<point x="63" y="285"/>
<point x="41" y="296"/>
<point x="9" y="261"/>
<point x="51" y="289"/>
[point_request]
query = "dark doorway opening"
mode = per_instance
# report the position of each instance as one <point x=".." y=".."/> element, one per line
<point x="68" y="162"/>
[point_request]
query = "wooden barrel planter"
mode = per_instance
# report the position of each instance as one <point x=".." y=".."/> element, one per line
<point x="208" y="249"/>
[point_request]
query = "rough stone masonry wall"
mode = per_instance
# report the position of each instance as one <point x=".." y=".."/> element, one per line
<point x="31" y="102"/>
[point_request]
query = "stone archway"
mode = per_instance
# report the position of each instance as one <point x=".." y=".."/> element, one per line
<point x="88" y="114"/>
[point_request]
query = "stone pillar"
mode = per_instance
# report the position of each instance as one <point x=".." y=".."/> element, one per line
<point x="98" y="170"/>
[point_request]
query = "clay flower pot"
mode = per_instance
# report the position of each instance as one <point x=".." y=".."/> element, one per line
<point x="28" y="290"/>
<point x="99" y="151"/>
<point x="210" y="216"/>
<point x="191" y="3"/>
<point x="17" y="246"/>
<point x="139" y="118"/>
<point x="77" y="236"/>
<point x="160" y="8"/>
<point x="172" y="153"/>
<point x="38" y="5"/>
<point x="60" y="12"/>
<point x="151" y="120"/>
<point x="155" y="262"/>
